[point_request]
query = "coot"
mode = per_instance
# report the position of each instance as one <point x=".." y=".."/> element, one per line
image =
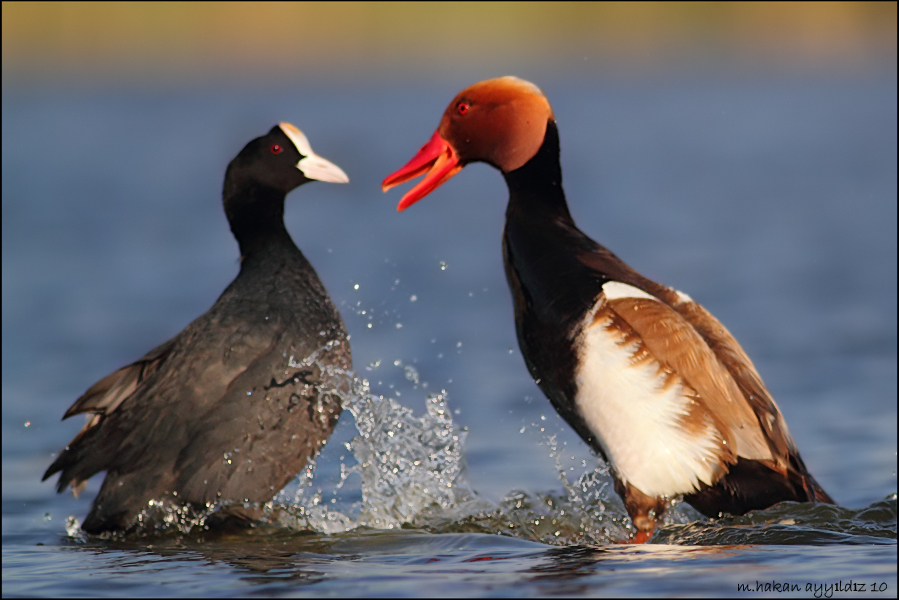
<point x="234" y="406"/>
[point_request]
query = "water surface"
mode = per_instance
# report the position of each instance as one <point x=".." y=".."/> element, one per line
<point x="770" y="201"/>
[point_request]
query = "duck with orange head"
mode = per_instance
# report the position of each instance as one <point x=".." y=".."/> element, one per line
<point x="646" y="376"/>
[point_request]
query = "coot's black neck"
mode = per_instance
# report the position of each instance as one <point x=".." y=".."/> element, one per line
<point x="256" y="215"/>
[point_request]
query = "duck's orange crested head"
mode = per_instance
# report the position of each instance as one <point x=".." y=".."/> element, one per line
<point x="498" y="121"/>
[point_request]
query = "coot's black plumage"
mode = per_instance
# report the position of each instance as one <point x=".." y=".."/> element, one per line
<point x="234" y="406"/>
<point x="647" y="377"/>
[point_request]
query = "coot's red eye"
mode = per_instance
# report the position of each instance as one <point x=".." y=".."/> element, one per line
<point x="462" y="107"/>
<point x="276" y="149"/>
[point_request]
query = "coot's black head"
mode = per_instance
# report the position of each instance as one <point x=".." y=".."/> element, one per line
<point x="282" y="159"/>
<point x="259" y="178"/>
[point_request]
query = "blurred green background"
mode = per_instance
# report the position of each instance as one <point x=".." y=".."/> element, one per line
<point x="205" y="41"/>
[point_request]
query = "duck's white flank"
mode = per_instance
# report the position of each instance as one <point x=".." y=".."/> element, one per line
<point x="635" y="409"/>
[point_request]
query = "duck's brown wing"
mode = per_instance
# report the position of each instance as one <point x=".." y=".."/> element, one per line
<point x="786" y="459"/>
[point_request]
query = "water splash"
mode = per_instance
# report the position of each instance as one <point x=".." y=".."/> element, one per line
<point x="73" y="528"/>
<point x="405" y="464"/>
<point x="412" y="473"/>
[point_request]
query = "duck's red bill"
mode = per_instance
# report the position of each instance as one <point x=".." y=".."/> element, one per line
<point x="437" y="158"/>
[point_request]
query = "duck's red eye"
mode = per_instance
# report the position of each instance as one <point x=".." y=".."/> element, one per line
<point x="462" y="107"/>
<point x="276" y="149"/>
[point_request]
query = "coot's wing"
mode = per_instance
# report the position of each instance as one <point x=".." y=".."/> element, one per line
<point x="106" y="395"/>
<point x="270" y="421"/>
<point x="103" y="398"/>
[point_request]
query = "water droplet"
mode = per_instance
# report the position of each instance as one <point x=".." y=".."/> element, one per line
<point x="27" y="423"/>
<point x="399" y="325"/>
<point x="73" y="527"/>
<point x="356" y="286"/>
<point x="442" y="266"/>
<point x="413" y="298"/>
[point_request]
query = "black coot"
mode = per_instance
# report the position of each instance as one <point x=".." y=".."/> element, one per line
<point x="234" y="406"/>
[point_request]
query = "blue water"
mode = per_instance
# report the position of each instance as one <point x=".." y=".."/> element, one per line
<point x="771" y="201"/>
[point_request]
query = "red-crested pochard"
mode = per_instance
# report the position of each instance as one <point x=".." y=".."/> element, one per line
<point x="645" y="375"/>
<point x="234" y="406"/>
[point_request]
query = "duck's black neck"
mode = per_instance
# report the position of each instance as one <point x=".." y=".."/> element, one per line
<point x="543" y="247"/>
<point x="256" y="215"/>
<point x="535" y="189"/>
<point x="550" y="289"/>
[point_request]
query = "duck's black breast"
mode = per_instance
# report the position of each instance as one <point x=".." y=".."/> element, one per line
<point x="552" y="288"/>
<point x="548" y="315"/>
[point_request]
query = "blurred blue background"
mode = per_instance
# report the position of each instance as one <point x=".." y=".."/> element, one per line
<point x="745" y="155"/>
